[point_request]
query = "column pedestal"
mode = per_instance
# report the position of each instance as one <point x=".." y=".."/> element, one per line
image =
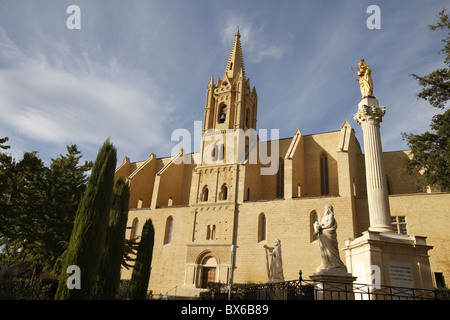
<point x="389" y="259"/>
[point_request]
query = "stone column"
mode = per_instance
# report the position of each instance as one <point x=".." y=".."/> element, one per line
<point x="369" y="116"/>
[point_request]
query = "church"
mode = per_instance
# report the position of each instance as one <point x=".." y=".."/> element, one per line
<point x="216" y="211"/>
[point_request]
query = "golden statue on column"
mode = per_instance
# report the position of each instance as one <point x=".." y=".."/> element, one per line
<point x="365" y="79"/>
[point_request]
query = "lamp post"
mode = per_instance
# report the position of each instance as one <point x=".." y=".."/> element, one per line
<point x="233" y="251"/>
<point x="300" y="280"/>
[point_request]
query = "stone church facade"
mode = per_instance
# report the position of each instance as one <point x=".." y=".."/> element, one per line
<point x="213" y="211"/>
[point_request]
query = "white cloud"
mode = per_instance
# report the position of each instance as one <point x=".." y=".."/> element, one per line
<point x="58" y="87"/>
<point x="62" y="98"/>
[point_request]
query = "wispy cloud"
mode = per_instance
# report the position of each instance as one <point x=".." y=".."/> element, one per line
<point x="257" y="47"/>
<point x="137" y="70"/>
<point x="64" y="97"/>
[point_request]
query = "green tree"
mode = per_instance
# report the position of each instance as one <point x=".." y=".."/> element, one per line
<point x="37" y="221"/>
<point x="5" y="162"/>
<point x="142" y="267"/>
<point x="431" y="154"/>
<point x="431" y="150"/>
<point x="23" y="231"/>
<point x="109" y="274"/>
<point x="67" y="182"/>
<point x="89" y="231"/>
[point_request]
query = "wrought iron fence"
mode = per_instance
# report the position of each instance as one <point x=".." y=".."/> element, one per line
<point x="314" y="290"/>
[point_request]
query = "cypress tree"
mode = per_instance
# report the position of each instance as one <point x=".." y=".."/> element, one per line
<point x="142" y="267"/>
<point x="89" y="231"/>
<point x="109" y="274"/>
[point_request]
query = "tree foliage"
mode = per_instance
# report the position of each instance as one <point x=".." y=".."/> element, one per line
<point x="89" y="232"/>
<point x="431" y="153"/>
<point x="142" y="268"/>
<point x="431" y="150"/>
<point x="109" y="273"/>
<point x="57" y="216"/>
<point x="37" y="222"/>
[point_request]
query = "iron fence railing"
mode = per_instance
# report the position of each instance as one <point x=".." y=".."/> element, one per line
<point x="315" y="290"/>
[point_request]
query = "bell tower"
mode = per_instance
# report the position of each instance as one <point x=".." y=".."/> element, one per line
<point x="216" y="186"/>
<point x="230" y="103"/>
<point x="217" y="182"/>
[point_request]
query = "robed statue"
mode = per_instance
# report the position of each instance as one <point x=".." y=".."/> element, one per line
<point x="328" y="244"/>
<point x="365" y="79"/>
<point x="275" y="270"/>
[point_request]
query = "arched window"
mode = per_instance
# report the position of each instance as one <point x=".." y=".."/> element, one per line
<point x="169" y="230"/>
<point x="247" y="117"/>
<point x="324" y="186"/>
<point x="247" y="147"/>
<point x="221" y="152"/>
<point x="224" y="192"/>
<point x="205" y="194"/>
<point x="139" y="204"/>
<point x="214" y="153"/>
<point x="262" y="227"/>
<point x="222" y="113"/>
<point x="280" y="179"/>
<point x="313" y="219"/>
<point x="134" y="228"/>
<point x="211" y="232"/>
<point x="218" y="152"/>
<point x="248" y="194"/>
<point x="170" y="202"/>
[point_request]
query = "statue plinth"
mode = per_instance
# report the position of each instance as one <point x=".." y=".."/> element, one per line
<point x="335" y="271"/>
<point x="333" y="285"/>
<point x="333" y="276"/>
<point x="369" y="116"/>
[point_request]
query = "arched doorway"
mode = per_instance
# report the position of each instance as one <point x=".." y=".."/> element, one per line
<point x="209" y="267"/>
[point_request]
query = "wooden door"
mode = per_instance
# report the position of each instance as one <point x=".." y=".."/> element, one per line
<point x="208" y="275"/>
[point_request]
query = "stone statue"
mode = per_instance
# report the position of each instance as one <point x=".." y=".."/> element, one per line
<point x="365" y="79"/>
<point x="275" y="271"/>
<point x="328" y="244"/>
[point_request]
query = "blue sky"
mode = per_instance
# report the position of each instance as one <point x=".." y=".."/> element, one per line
<point x="137" y="70"/>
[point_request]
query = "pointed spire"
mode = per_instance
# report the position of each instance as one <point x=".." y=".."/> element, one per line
<point x="236" y="60"/>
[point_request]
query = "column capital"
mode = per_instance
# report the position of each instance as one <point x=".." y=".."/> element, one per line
<point x="369" y="114"/>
